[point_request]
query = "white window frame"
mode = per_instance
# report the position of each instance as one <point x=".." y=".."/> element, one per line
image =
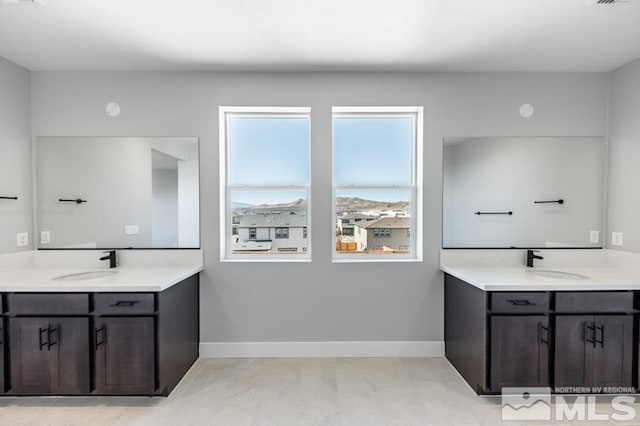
<point x="224" y="113"/>
<point x="416" y="186"/>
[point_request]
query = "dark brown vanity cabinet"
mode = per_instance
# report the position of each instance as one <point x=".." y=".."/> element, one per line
<point x="49" y="355"/>
<point x="125" y="355"/>
<point x="99" y="343"/>
<point x="541" y="339"/>
<point x="124" y="343"/>
<point x="594" y="350"/>
<point x="519" y="351"/>
<point x="2" y="353"/>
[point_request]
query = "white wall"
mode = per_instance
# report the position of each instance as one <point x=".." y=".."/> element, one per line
<point x="164" y="208"/>
<point x="509" y="174"/>
<point x="623" y="209"/>
<point x="320" y="301"/>
<point x="15" y="156"/>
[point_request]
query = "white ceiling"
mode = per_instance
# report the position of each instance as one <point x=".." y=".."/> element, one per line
<point x="321" y="35"/>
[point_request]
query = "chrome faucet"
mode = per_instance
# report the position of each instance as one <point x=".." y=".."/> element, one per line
<point x="111" y="257"/>
<point x="531" y="256"/>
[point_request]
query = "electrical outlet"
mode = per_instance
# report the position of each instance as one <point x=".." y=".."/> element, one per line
<point x="131" y="230"/>
<point x="594" y="237"/>
<point x="22" y="239"/>
<point x="616" y="239"/>
<point x="45" y="237"/>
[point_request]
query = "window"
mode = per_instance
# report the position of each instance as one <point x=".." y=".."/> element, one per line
<point x="382" y="232"/>
<point x="377" y="179"/>
<point x="282" y="232"/>
<point x="264" y="183"/>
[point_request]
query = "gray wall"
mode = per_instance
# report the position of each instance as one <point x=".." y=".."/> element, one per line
<point x="623" y="210"/>
<point x="112" y="174"/>
<point x="320" y="301"/>
<point x="164" y="207"/>
<point x="15" y="155"/>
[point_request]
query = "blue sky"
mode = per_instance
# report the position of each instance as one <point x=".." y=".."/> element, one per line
<point x="269" y="151"/>
<point x="372" y="151"/>
<point x="275" y="151"/>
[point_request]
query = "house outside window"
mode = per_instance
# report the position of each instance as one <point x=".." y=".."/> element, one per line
<point x="252" y="233"/>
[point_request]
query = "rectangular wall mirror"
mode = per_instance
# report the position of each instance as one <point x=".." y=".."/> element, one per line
<point x="117" y="192"/>
<point x="523" y="192"/>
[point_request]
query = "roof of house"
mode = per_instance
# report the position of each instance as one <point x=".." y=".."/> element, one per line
<point x="350" y="216"/>
<point x="273" y="221"/>
<point x="386" y="222"/>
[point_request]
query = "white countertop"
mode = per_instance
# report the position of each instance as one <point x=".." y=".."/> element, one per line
<point x="139" y="272"/>
<point x="124" y="280"/>
<point x="506" y="271"/>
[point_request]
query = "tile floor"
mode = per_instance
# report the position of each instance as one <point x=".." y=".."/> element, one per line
<point x="290" y="392"/>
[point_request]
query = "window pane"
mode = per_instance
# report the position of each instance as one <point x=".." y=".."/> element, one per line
<point x="373" y="151"/>
<point x="373" y="221"/>
<point x="269" y="150"/>
<point x="268" y="222"/>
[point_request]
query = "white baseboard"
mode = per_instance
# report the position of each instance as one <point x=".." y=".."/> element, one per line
<point x="410" y="349"/>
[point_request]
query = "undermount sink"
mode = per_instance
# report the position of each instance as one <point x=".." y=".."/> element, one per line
<point x="81" y="276"/>
<point x="557" y="274"/>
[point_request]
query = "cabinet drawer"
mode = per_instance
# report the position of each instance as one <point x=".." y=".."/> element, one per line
<point x="519" y="302"/>
<point x="599" y="301"/>
<point x="36" y="304"/>
<point x="124" y="303"/>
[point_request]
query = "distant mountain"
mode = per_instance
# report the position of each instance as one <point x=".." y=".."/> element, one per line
<point x="236" y="206"/>
<point x="355" y="204"/>
<point x="343" y="204"/>
<point x="242" y="208"/>
<point x="297" y="203"/>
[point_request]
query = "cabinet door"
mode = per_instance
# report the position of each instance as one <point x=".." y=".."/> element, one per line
<point x="574" y="342"/>
<point x="50" y="355"/>
<point x="68" y="343"/>
<point x="2" y="350"/>
<point x="30" y="371"/>
<point x="519" y="351"/>
<point x="125" y="355"/>
<point x="613" y="350"/>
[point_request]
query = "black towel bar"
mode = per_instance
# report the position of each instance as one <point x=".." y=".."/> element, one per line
<point x="560" y="201"/>
<point x="77" y="200"/>
<point x="479" y="213"/>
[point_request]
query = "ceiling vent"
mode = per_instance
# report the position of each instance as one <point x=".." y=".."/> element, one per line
<point x="608" y="2"/>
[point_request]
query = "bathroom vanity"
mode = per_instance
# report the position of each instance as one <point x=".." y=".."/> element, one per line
<point x="132" y="332"/>
<point x="573" y="330"/>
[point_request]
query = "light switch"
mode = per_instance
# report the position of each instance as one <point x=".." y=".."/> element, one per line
<point x="45" y="237"/>
<point x="594" y="237"/>
<point x="131" y="230"/>
<point x="22" y="239"/>
<point x="616" y="239"/>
